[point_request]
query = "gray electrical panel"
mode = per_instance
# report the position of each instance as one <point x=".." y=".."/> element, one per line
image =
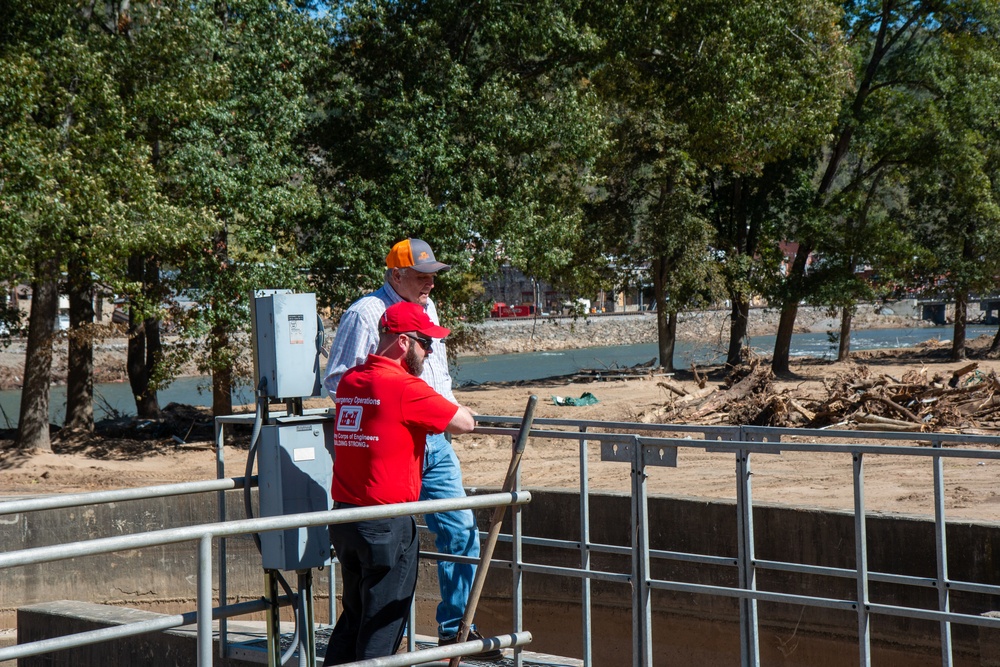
<point x="295" y="472"/>
<point x="286" y="349"/>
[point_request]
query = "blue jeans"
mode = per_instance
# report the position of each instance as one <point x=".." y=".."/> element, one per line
<point x="455" y="533"/>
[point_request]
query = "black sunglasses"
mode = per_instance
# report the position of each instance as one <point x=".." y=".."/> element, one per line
<point x="424" y="342"/>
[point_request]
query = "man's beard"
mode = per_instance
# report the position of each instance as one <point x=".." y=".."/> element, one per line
<point x="414" y="364"/>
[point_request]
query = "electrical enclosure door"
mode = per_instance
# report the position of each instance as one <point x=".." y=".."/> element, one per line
<point x="295" y="471"/>
<point x="285" y="346"/>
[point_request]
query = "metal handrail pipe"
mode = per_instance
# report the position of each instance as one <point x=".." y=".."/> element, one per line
<point x="120" y="495"/>
<point x="733" y="446"/>
<point x="761" y="430"/>
<point x="725" y="561"/>
<point x="249" y="417"/>
<point x="829" y="603"/>
<point x="847" y="573"/>
<point x="133" y="629"/>
<point x="766" y="596"/>
<point x="596" y="575"/>
<point x="827" y="448"/>
<point x="590" y="423"/>
<point x="559" y="571"/>
<point x="104" y="545"/>
<point x="880" y="577"/>
<point x="445" y="652"/>
<point x="560" y="435"/>
<point x="931" y="615"/>
<point x="875" y="435"/>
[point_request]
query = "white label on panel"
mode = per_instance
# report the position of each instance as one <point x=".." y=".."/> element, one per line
<point x="304" y="454"/>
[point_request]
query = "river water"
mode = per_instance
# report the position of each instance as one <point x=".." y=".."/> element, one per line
<point x="116" y="398"/>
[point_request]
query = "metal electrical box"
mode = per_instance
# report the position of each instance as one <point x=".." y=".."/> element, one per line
<point x="286" y="349"/>
<point x="295" y="472"/>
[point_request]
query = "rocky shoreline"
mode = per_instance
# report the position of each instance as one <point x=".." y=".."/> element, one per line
<point x="513" y="335"/>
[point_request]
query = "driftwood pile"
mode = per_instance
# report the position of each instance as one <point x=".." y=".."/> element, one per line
<point x="748" y="397"/>
<point x="963" y="399"/>
<point x="861" y="399"/>
<point x="616" y="372"/>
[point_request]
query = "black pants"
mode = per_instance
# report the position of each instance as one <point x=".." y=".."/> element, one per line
<point x="378" y="561"/>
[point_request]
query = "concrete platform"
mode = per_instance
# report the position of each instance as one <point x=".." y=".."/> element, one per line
<point x="247" y="640"/>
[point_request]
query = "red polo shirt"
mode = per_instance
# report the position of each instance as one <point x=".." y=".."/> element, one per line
<point x="383" y="417"/>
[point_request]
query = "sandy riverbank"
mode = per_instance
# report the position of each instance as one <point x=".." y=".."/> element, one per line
<point x="108" y="460"/>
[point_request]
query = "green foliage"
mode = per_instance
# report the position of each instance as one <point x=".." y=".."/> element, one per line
<point x="467" y="125"/>
<point x="157" y="130"/>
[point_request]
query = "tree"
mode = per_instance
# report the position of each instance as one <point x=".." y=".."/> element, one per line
<point x="467" y="124"/>
<point x="65" y="159"/>
<point x="749" y="214"/>
<point x="883" y="124"/>
<point x="957" y="197"/>
<point x="734" y="86"/>
<point x="215" y="93"/>
<point x="648" y="215"/>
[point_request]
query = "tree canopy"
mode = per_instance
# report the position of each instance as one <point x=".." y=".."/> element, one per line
<point x="165" y="150"/>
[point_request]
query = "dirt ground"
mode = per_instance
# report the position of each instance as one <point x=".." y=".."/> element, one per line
<point x="128" y="455"/>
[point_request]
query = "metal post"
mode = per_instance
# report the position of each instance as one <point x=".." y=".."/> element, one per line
<point x="861" y="561"/>
<point x="205" y="601"/>
<point x="272" y="619"/>
<point x="516" y="559"/>
<point x="943" y="591"/>
<point x="220" y="473"/>
<point x="749" y="639"/>
<point x="642" y="634"/>
<point x="307" y="618"/>
<point x="588" y="654"/>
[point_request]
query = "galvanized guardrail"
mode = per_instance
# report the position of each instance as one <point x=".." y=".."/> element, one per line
<point x="640" y="446"/>
<point x="643" y="445"/>
<point x="204" y="534"/>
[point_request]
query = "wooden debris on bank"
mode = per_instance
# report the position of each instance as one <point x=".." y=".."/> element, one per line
<point x="962" y="399"/>
<point x="747" y="398"/>
<point x="861" y="398"/>
<point x="644" y="370"/>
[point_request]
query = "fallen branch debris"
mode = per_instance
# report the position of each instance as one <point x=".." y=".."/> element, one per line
<point x="961" y="400"/>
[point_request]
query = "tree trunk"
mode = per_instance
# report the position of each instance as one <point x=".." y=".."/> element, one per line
<point x="80" y="358"/>
<point x="846" y="317"/>
<point x="222" y="378"/>
<point x="783" y="338"/>
<point x="995" y="346"/>
<point x="222" y="370"/>
<point x="961" y="315"/>
<point x="790" y="310"/>
<point x="666" y="322"/>
<point x="139" y="357"/>
<point x="33" y="422"/>
<point x="740" y="316"/>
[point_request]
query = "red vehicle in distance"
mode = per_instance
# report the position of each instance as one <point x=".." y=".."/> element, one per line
<point x="501" y="309"/>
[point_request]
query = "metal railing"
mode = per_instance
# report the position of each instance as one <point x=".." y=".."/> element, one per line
<point x="641" y="446"/>
<point x="203" y="535"/>
<point x="644" y="445"/>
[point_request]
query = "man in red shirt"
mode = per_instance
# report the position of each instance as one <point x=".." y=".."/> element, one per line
<point x="384" y="413"/>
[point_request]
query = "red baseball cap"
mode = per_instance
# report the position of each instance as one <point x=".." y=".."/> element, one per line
<point x="414" y="254"/>
<point x="404" y="317"/>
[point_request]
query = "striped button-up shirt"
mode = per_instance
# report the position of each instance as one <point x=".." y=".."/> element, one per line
<point x="357" y="337"/>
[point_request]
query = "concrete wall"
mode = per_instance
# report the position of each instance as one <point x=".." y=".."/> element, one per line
<point x="689" y="630"/>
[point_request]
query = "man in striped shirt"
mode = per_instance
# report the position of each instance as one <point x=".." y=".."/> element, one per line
<point x="409" y="276"/>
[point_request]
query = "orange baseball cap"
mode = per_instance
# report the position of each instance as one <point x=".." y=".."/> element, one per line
<point x="414" y="254"/>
